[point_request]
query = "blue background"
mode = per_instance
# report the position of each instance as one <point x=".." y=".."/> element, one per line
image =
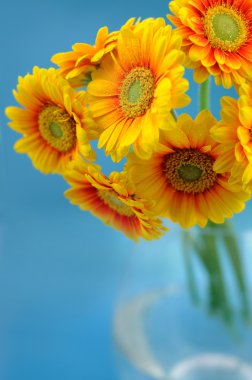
<point x="60" y="268"/>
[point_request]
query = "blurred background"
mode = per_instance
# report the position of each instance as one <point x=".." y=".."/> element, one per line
<point x="60" y="268"/>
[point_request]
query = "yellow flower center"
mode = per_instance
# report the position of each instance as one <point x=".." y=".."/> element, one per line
<point x="225" y="27"/>
<point x="189" y="171"/>
<point x="57" y="128"/>
<point x="111" y="199"/>
<point x="136" y="92"/>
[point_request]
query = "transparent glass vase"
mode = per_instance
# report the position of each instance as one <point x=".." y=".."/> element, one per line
<point x="184" y="310"/>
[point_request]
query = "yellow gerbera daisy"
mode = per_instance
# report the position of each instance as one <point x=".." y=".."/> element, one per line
<point x="77" y="65"/>
<point x="234" y="133"/>
<point x="53" y="121"/>
<point x="112" y="200"/>
<point x="217" y="38"/>
<point x="180" y="175"/>
<point x="135" y="85"/>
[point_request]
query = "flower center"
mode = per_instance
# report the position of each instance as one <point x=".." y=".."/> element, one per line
<point x="111" y="199"/>
<point x="136" y="92"/>
<point x="189" y="171"/>
<point x="57" y="128"/>
<point x="225" y="28"/>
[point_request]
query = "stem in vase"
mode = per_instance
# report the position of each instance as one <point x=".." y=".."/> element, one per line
<point x="204" y="95"/>
<point x="208" y="246"/>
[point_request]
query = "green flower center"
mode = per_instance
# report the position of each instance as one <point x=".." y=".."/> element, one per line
<point x="57" y="128"/>
<point x="136" y="92"/>
<point x="225" y="27"/>
<point x="189" y="171"/>
<point x="111" y="199"/>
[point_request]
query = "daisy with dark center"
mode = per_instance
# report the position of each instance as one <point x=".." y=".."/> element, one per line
<point x="54" y="121"/>
<point x="113" y="200"/>
<point x="234" y="135"/>
<point x="180" y="176"/>
<point x="189" y="171"/>
<point x="217" y="38"/>
<point x="76" y="65"/>
<point x="57" y="128"/>
<point x="135" y="86"/>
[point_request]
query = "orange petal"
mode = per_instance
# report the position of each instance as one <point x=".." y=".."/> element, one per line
<point x="196" y="53"/>
<point x="226" y="80"/>
<point x="198" y="40"/>
<point x="209" y="60"/>
<point x="239" y="153"/>
<point x="233" y="61"/>
<point x="200" y="74"/>
<point x="220" y="56"/>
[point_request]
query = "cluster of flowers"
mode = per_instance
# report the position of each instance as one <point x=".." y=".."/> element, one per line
<point x="122" y="92"/>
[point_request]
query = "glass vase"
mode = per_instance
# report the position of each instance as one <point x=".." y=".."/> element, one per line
<point x="184" y="310"/>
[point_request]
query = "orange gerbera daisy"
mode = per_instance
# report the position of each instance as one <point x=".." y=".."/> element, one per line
<point x="234" y="133"/>
<point x="77" y="65"/>
<point x="53" y="121"/>
<point x="217" y="38"/>
<point x="135" y="86"/>
<point x="180" y="175"/>
<point x="112" y="200"/>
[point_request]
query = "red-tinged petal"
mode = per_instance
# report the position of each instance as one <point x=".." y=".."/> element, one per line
<point x="233" y="61"/>
<point x="220" y="56"/>
<point x="214" y="70"/>
<point x="239" y="153"/>
<point x="226" y="80"/>
<point x="198" y="5"/>
<point x="200" y="74"/>
<point x="196" y="25"/>
<point x="175" y="20"/>
<point x="197" y="53"/>
<point x="209" y="60"/>
<point x="245" y="53"/>
<point x="199" y="40"/>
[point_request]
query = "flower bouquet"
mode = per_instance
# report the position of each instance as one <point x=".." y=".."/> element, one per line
<point x="125" y="95"/>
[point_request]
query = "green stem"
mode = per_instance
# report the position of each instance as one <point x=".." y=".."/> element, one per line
<point x="207" y="249"/>
<point x="235" y="257"/>
<point x="204" y="95"/>
<point x="190" y="270"/>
